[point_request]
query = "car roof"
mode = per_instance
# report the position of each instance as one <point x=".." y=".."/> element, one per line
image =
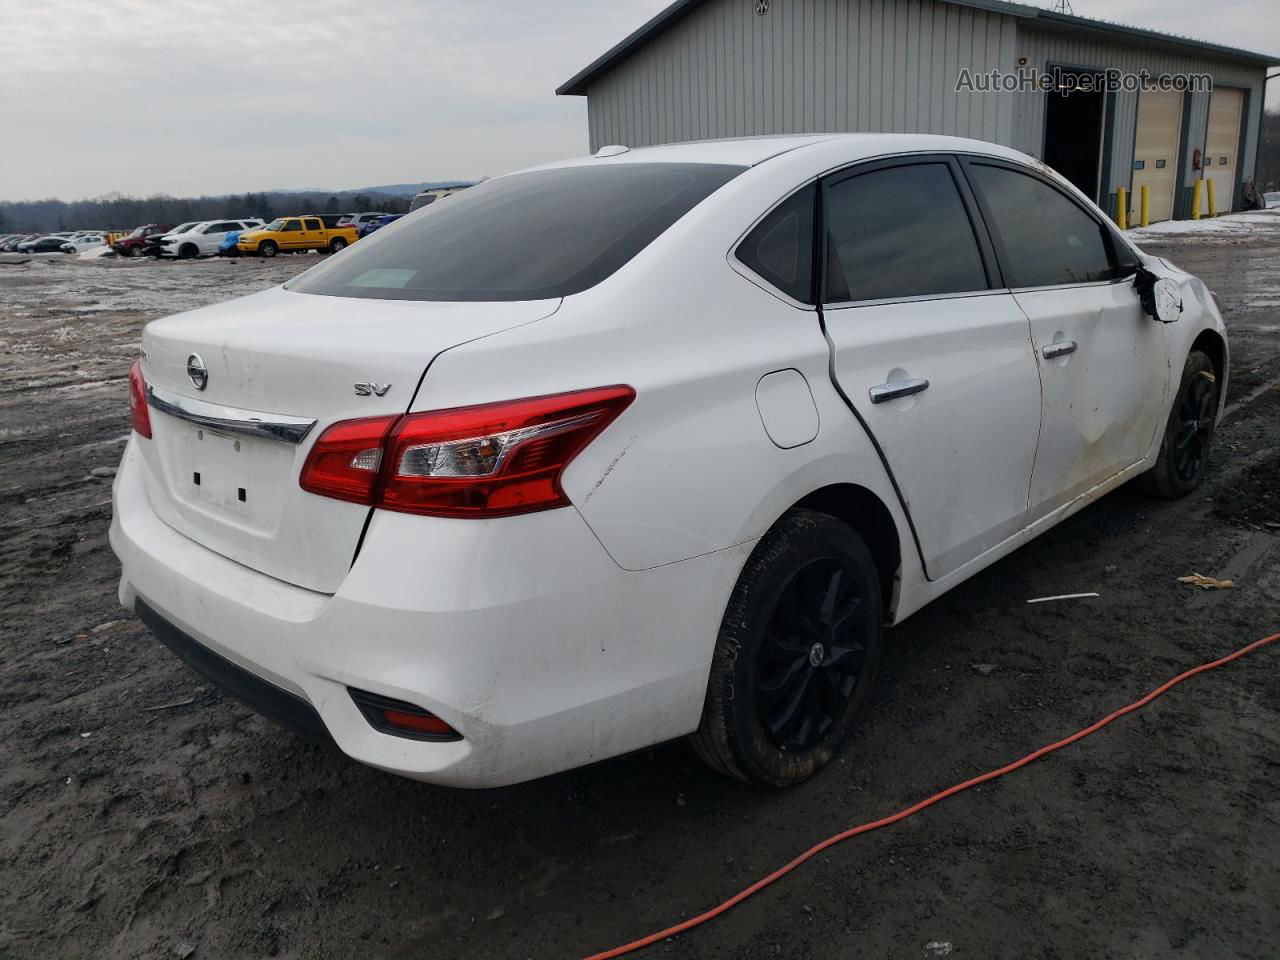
<point x="750" y="151"/>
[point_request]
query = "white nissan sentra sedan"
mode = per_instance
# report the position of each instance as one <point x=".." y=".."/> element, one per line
<point x="646" y="445"/>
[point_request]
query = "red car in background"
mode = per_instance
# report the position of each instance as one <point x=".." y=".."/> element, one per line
<point x="134" y="243"/>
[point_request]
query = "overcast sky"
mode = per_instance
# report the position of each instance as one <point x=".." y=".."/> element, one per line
<point x="189" y="98"/>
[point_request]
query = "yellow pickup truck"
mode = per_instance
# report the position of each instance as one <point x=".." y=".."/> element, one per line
<point x="295" y="233"/>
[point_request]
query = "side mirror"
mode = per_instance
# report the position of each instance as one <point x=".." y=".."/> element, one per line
<point x="1160" y="296"/>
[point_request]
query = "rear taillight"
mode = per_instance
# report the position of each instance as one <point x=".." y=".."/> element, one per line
<point x="490" y="460"/>
<point x="344" y="462"/>
<point x="139" y="415"/>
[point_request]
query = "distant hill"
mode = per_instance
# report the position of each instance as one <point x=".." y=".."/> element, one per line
<point x="409" y="189"/>
<point x="390" y="189"/>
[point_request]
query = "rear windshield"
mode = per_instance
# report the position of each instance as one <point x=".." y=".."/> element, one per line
<point x="531" y="236"/>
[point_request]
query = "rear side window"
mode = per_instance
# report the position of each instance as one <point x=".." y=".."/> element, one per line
<point x="530" y="236"/>
<point x="314" y="225"/>
<point x="897" y="232"/>
<point x="1045" y="238"/>
<point x="780" y="248"/>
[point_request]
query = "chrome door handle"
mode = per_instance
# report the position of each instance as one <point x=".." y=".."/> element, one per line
<point x="1059" y="349"/>
<point x="897" y="388"/>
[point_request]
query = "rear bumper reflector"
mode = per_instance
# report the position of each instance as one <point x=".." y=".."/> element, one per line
<point x="401" y="719"/>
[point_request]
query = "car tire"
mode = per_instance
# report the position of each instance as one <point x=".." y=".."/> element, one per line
<point x="135" y="251"/>
<point x="336" y="244"/>
<point x="188" y="251"/>
<point x="267" y="248"/>
<point x="796" y="655"/>
<point x="1184" y="449"/>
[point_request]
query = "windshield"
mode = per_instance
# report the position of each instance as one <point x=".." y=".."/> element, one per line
<point x="275" y="224"/>
<point x="530" y="236"/>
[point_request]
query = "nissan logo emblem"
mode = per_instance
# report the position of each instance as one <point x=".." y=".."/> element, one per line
<point x="197" y="371"/>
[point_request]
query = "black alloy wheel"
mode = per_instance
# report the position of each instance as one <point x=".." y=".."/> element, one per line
<point x="796" y="655"/>
<point x="1196" y="416"/>
<point x="1188" y="435"/>
<point x="814" y="651"/>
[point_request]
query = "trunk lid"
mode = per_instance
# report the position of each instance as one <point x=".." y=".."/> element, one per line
<point x="285" y="359"/>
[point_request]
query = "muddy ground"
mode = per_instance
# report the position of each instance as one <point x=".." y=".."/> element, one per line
<point x="131" y="831"/>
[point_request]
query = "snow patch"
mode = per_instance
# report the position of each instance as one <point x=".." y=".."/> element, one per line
<point x="1230" y="224"/>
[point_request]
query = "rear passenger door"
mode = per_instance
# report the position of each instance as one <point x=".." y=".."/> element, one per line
<point x="1103" y="362"/>
<point x="931" y="351"/>
<point x="313" y="232"/>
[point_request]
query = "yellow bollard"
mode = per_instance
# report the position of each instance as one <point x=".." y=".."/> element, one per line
<point x="1143" y="204"/>
<point x="1213" y="207"/>
<point x="1122" y="209"/>
<point x="1195" y="200"/>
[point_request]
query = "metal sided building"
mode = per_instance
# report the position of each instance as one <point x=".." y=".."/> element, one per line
<point x="729" y="68"/>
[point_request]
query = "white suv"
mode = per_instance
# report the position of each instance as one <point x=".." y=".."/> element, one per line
<point x="644" y="445"/>
<point x="203" y="239"/>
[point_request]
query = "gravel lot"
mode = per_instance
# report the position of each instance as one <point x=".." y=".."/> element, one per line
<point x="135" y="832"/>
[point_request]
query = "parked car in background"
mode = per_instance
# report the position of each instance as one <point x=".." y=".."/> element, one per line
<point x="751" y="401"/>
<point x="373" y="225"/>
<point x="203" y="239"/>
<point x="427" y="197"/>
<point x="358" y="220"/>
<point x="330" y="220"/>
<point x="134" y="245"/>
<point x="50" y="243"/>
<point x="1272" y="199"/>
<point x="155" y="243"/>
<point x="295" y="234"/>
<point x="228" y="247"/>
<point x="20" y="238"/>
<point x="82" y="242"/>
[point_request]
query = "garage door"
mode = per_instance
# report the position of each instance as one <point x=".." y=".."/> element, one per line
<point x="1221" y="146"/>
<point x="1155" y="152"/>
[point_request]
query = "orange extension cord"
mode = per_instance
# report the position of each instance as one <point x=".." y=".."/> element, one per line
<point x="813" y="851"/>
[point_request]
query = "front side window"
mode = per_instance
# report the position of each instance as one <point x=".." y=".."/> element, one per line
<point x="291" y="226"/>
<point x="1046" y="238"/>
<point x="780" y="248"/>
<point x="529" y="236"/>
<point x="897" y="232"/>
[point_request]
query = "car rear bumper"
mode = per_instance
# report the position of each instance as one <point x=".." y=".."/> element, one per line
<point x="520" y="633"/>
<point x="274" y="703"/>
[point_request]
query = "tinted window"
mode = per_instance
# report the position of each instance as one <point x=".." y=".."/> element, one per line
<point x="900" y="232"/>
<point x="780" y="248"/>
<point x="291" y="225"/>
<point x="548" y="233"/>
<point x="1047" y="238"/>
<point x="314" y="225"/>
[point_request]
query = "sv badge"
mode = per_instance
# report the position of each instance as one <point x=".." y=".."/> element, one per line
<point x="372" y="389"/>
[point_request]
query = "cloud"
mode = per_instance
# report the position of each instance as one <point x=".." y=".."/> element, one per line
<point x="194" y="97"/>
<point x="188" y="97"/>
